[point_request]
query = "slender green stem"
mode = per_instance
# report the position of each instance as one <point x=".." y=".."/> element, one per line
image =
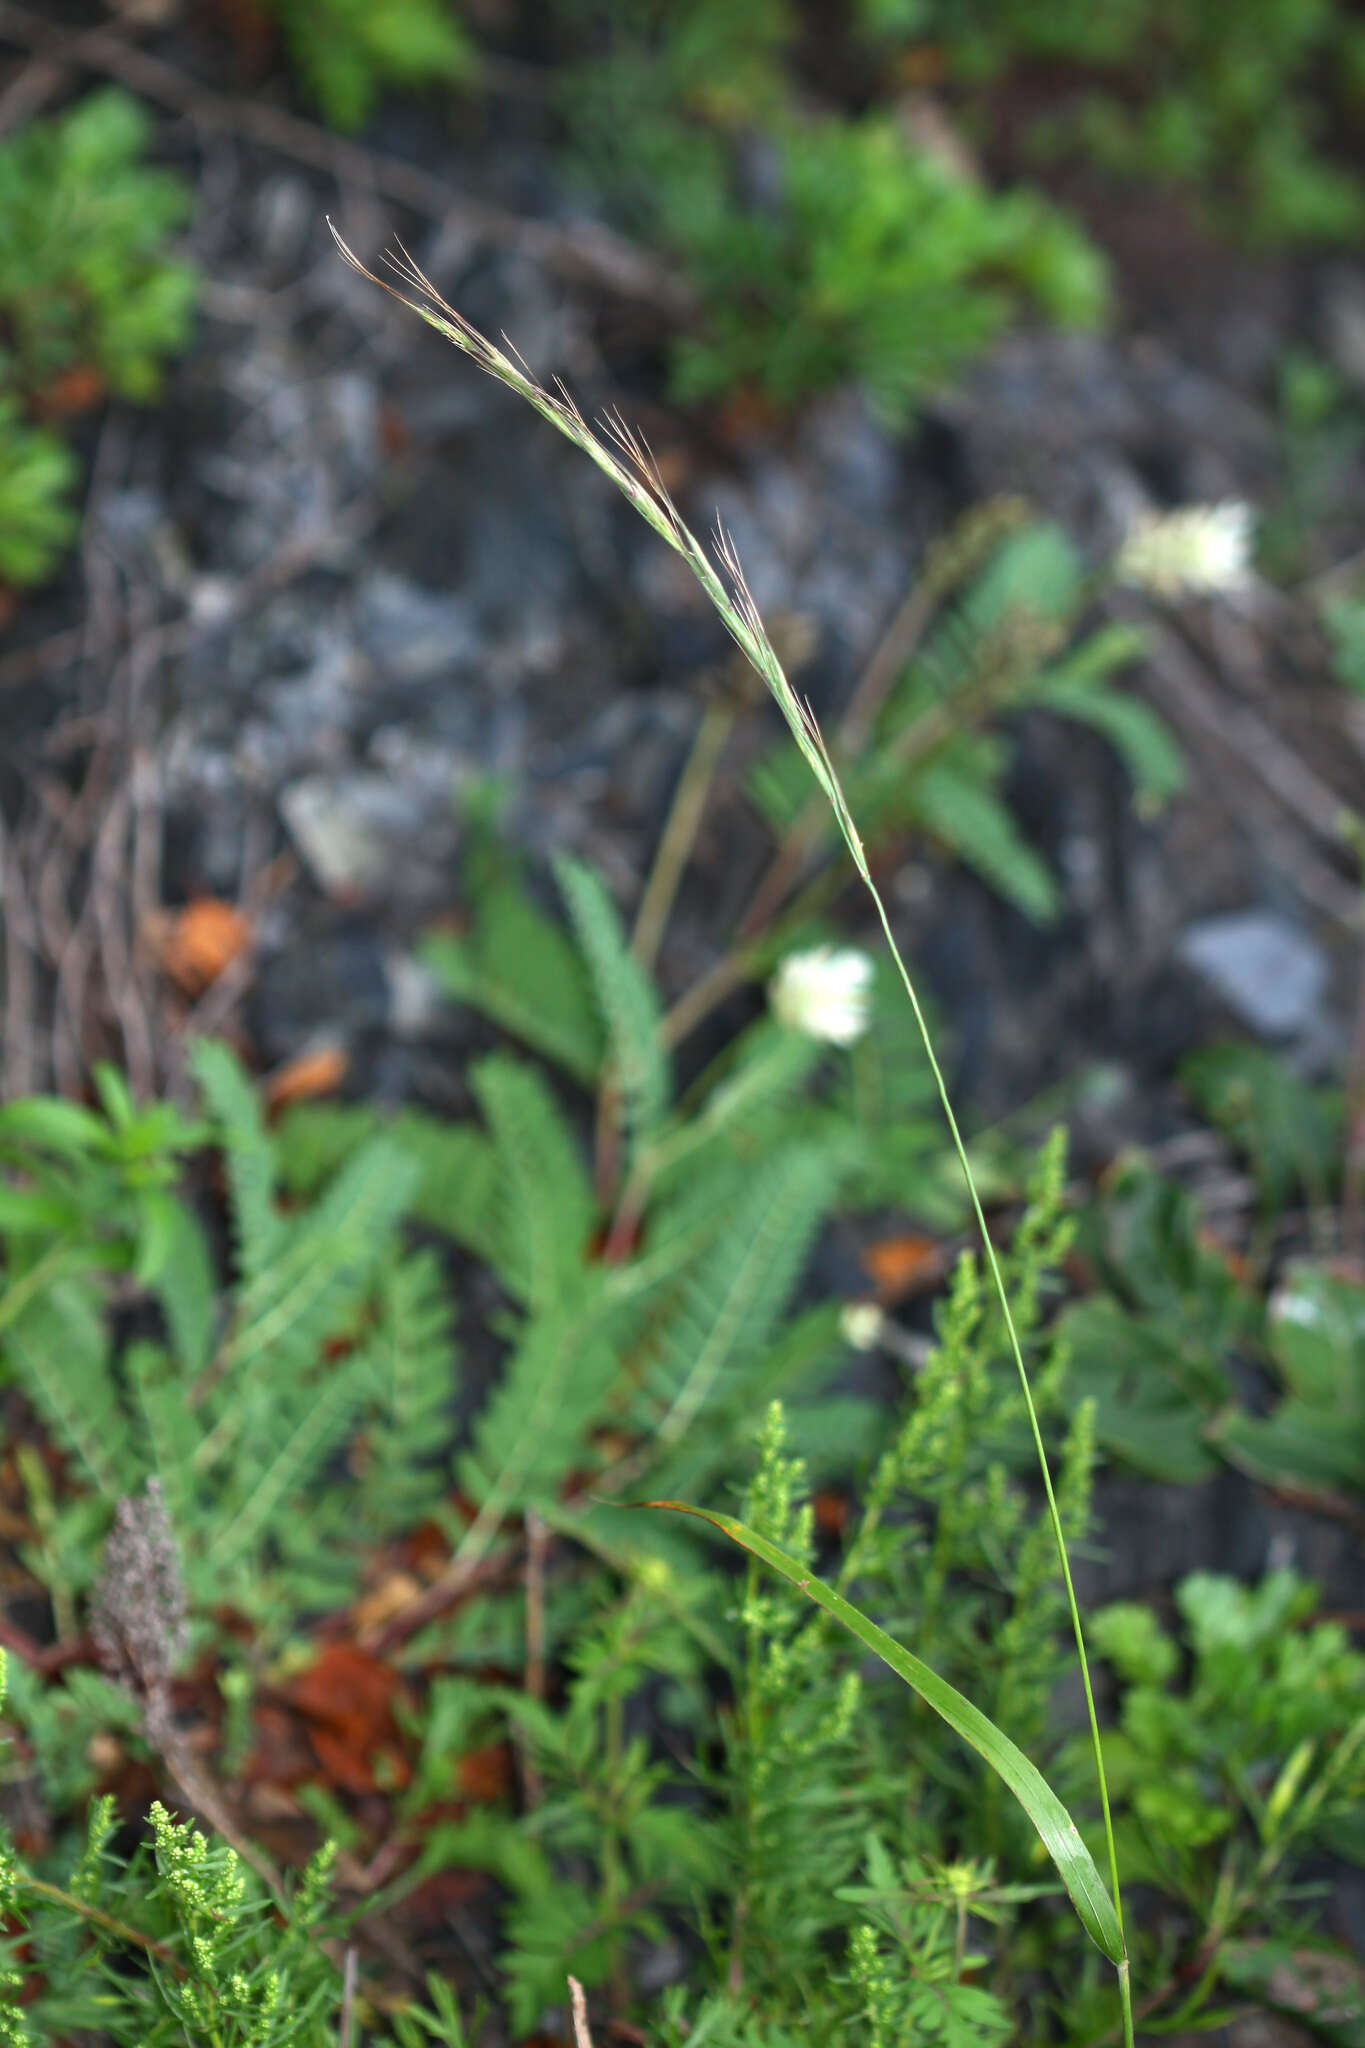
<point x="1016" y="1350"/>
<point x="680" y="831"/>
<point x="97" y="1917"/>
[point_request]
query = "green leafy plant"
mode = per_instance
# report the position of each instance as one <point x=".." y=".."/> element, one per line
<point x="87" y="293"/>
<point x="868" y="259"/>
<point x="347" y="51"/>
<point x="1344" y="619"/>
<point x="1236" y="108"/>
<point x="84" y="278"/>
<point x="179" y="1940"/>
<point x="877" y="265"/>
<point x="1224" y="1780"/>
<point x="37" y="473"/>
<point x="239" y="1420"/>
<point x="1157" y="1341"/>
<point x="1000" y="603"/>
<point x="175" y="1942"/>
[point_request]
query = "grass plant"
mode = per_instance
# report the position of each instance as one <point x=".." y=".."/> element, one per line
<point x="625" y="459"/>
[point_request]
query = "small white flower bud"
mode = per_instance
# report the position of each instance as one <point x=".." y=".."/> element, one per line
<point x="1199" y="548"/>
<point x="860" y="1325"/>
<point x="825" y="992"/>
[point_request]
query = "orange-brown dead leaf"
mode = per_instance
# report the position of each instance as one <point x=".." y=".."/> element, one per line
<point x="830" y="1508"/>
<point x="308" y="1075"/>
<point x="194" y="945"/>
<point x="485" y="1775"/>
<point x="903" y="1266"/>
<point x="75" y="391"/>
<point x="347" y="1700"/>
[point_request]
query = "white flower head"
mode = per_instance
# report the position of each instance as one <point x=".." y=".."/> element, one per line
<point x="826" y="993"/>
<point x="1199" y="548"/>
<point x="860" y="1325"/>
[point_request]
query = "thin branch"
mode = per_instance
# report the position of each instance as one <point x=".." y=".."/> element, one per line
<point x="582" y="2038"/>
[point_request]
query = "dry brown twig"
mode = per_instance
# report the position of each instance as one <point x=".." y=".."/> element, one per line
<point x="579" y="2004"/>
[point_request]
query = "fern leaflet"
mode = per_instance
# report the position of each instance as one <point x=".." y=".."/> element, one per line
<point x="626" y="997"/>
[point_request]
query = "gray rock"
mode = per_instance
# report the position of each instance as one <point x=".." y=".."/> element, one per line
<point x="346" y="828"/>
<point x="1269" y="971"/>
<point x="414" y="633"/>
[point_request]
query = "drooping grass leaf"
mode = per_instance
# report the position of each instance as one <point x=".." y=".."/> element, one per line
<point x="1056" y="1829"/>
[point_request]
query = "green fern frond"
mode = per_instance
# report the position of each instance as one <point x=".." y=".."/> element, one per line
<point x="552" y="1390"/>
<point x="731" y="1304"/>
<point x="293" y="1305"/>
<point x="954" y="802"/>
<point x="416" y="1363"/>
<point x="457" y="1165"/>
<point x="1078" y="688"/>
<point x="249" y="1155"/>
<point x="314" y="1139"/>
<point x="544" y="1210"/>
<point x="298" y="1461"/>
<point x="626" y="997"/>
<point x="520" y="970"/>
<point x="60" y="1351"/>
<point x="169" y="1424"/>
<point x="745" y="1107"/>
<point x="174" y="1264"/>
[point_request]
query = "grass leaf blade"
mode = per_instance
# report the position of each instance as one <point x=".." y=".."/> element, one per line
<point x="1056" y="1829"/>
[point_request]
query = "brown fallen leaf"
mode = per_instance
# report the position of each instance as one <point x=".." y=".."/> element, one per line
<point x="195" y="944"/>
<point x="346" y="1697"/>
<point x="316" y="1071"/>
<point x="485" y="1775"/>
<point x="904" y="1265"/>
<point x="75" y="391"/>
<point x="830" y="1508"/>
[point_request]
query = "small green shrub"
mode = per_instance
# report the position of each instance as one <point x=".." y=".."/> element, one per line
<point x="1157" y="1341"/>
<point x="84" y="280"/>
<point x="86" y="292"/>
<point x="37" y="521"/>
<point x="179" y="1942"/>
<point x="1344" y="619"/>
<point x="1254" y="1760"/>
<point x="1233" y="104"/>
<point x="852" y="256"/>
<point x="875" y="264"/>
<point x="347" y="51"/>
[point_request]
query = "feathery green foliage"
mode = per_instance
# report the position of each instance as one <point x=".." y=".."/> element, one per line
<point x="37" y="473"/>
<point x="347" y="51"/>
<point x="856" y="255"/>
<point x="1235" y="106"/>
<point x="178" y="1943"/>
<point x="84" y="279"/>
<point x="86" y="287"/>
<point x="240" y="1416"/>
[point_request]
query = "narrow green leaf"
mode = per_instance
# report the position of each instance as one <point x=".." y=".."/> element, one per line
<point x="1056" y="1829"/>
